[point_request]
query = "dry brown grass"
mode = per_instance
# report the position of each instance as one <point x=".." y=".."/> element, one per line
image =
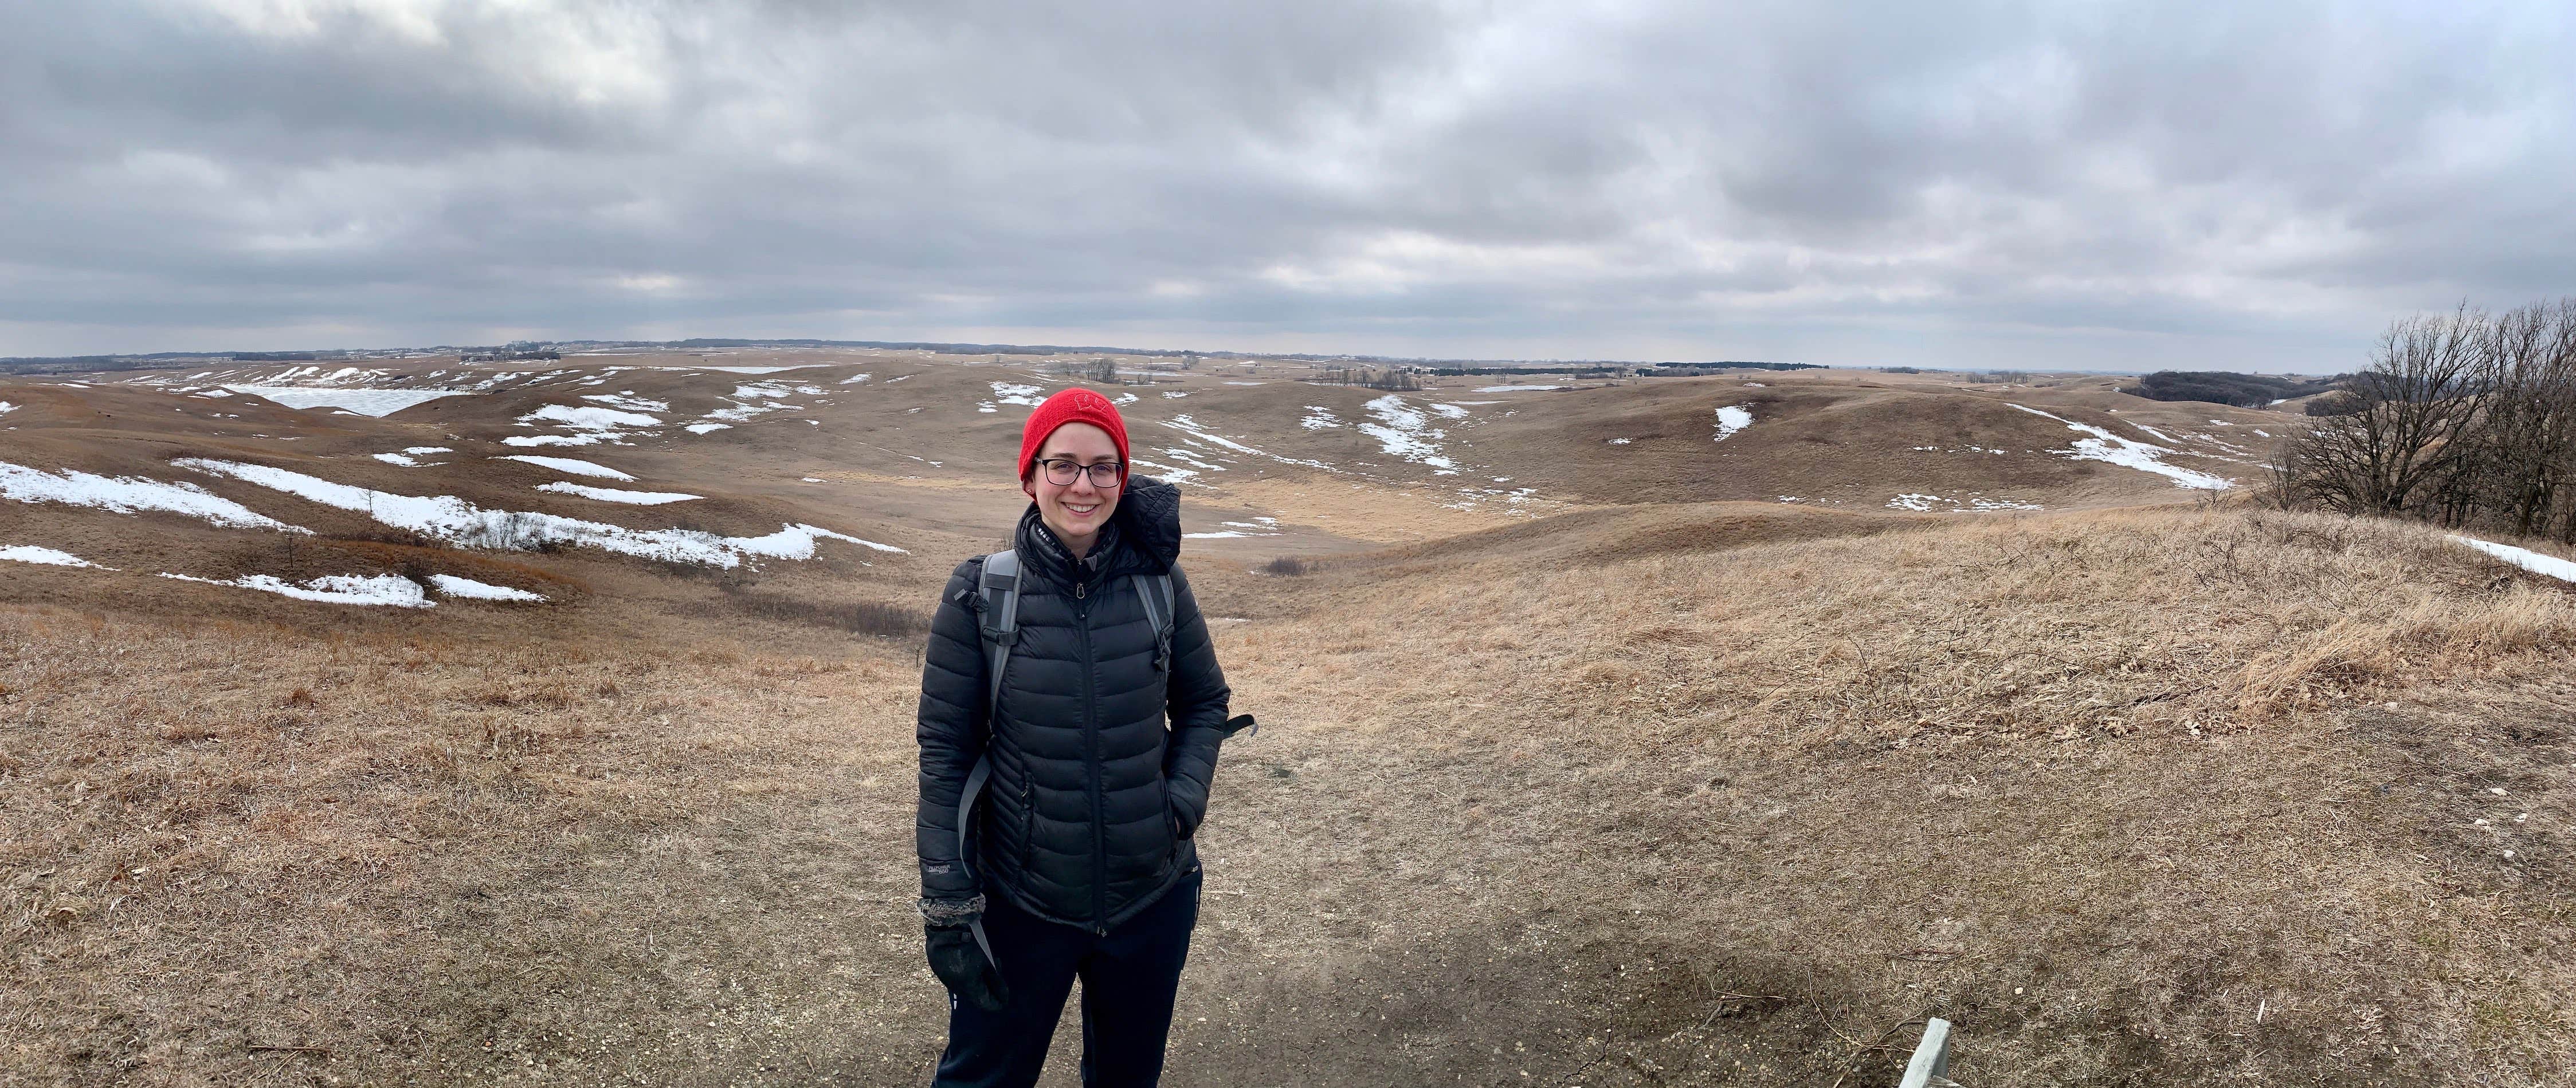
<point x="2100" y="788"/>
<point x="242" y="854"/>
<point x="2151" y="797"/>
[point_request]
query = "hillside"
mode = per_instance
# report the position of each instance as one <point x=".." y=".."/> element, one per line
<point x="1583" y="761"/>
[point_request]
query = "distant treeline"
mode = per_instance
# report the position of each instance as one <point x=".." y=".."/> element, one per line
<point x="1693" y="370"/>
<point x="71" y="364"/>
<point x="2465" y="419"/>
<point x="892" y="345"/>
<point x="1590" y="371"/>
<point x="1392" y="379"/>
<point x="2223" y="387"/>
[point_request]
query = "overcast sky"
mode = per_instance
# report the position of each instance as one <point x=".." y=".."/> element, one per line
<point x="2163" y="184"/>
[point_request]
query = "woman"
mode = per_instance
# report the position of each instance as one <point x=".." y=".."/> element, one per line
<point x="1071" y="712"/>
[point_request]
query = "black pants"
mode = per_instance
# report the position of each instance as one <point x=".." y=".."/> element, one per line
<point x="1128" y="977"/>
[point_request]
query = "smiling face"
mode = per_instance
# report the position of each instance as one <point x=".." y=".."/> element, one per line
<point x="1077" y="510"/>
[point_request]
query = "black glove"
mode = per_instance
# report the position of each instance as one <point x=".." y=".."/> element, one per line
<point x="961" y="964"/>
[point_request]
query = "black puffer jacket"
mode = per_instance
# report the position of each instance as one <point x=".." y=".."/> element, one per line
<point x="1101" y="758"/>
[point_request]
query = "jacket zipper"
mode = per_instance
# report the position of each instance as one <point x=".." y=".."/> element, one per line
<point x="1091" y="741"/>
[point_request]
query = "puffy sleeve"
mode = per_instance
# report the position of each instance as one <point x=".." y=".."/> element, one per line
<point x="951" y="729"/>
<point x="1198" y="700"/>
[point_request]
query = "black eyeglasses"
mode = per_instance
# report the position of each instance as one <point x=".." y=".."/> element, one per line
<point x="1062" y="471"/>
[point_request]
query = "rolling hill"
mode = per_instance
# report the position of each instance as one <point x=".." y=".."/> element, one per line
<point x="427" y="719"/>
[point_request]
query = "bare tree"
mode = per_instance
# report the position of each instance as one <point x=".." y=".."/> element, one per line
<point x="2402" y="440"/>
<point x="1390" y="378"/>
<point x="2522" y="449"/>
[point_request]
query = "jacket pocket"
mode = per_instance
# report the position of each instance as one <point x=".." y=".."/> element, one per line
<point x="1173" y="833"/>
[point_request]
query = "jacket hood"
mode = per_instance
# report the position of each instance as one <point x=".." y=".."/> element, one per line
<point x="1150" y="515"/>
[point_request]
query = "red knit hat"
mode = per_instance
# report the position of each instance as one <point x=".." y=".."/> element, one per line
<point x="1071" y="406"/>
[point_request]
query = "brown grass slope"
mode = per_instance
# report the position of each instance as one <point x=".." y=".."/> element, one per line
<point x="2132" y="797"/>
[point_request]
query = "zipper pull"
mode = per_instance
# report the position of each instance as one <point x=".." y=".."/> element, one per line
<point x="1077" y="591"/>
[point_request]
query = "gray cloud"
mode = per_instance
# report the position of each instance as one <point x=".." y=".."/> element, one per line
<point x="1992" y="184"/>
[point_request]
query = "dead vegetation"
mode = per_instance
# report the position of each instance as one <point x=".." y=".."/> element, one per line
<point x="1679" y="794"/>
<point x="2143" y="797"/>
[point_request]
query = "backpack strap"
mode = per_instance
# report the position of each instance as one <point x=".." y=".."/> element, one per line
<point x="1000" y="588"/>
<point x="1156" y="592"/>
<point x="999" y="622"/>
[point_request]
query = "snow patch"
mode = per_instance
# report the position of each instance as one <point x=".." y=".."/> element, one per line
<point x="383" y="589"/>
<point x="470" y="589"/>
<point x="610" y="494"/>
<point x="1319" y="417"/>
<point x="1166" y="473"/>
<point x="1403" y="432"/>
<point x="1923" y="504"/>
<point x="588" y="419"/>
<point x="2130" y="453"/>
<point x="702" y="428"/>
<point x="455" y="521"/>
<point x="797" y="542"/>
<point x="628" y="402"/>
<point x="1191" y="427"/>
<point x="130" y="494"/>
<point x="1008" y="393"/>
<point x="2525" y="558"/>
<point x="1732" y="418"/>
<point x="525" y="441"/>
<point x="572" y="465"/>
<point x="29" y="553"/>
<point x="365" y="402"/>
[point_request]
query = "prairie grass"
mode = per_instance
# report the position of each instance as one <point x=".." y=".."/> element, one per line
<point x="2103" y="788"/>
<point x="1707" y="795"/>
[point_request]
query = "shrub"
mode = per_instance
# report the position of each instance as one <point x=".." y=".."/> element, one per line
<point x="871" y="618"/>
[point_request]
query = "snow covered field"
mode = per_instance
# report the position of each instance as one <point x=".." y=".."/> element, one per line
<point x="365" y="402"/>
<point x="2131" y="453"/>
<point x="128" y="494"/>
<point x="457" y="522"/>
<point x="1404" y="431"/>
